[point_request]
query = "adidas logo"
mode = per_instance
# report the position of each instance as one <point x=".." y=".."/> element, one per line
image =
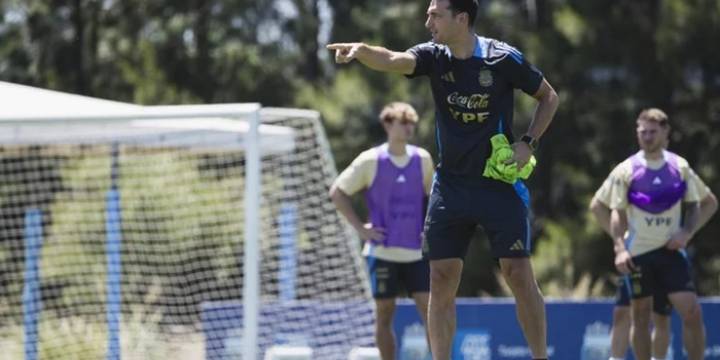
<point x="400" y="179"/>
<point x="657" y="181"/>
<point x="517" y="246"/>
<point x="448" y="77"/>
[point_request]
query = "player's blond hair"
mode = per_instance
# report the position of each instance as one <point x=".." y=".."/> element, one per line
<point x="654" y="115"/>
<point x="398" y="111"/>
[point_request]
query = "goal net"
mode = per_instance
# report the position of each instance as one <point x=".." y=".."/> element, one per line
<point x="124" y="239"/>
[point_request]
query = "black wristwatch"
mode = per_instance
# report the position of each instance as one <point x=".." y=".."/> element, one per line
<point x="531" y="141"/>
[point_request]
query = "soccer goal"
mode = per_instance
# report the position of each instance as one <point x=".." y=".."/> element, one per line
<point x="183" y="232"/>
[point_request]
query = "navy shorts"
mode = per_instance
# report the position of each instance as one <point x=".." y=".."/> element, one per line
<point x="457" y="206"/>
<point x="388" y="278"/>
<point x="661" y="270"/>
<point x="661" y="303"/>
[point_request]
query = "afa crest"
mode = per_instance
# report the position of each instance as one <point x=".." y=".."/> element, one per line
<point x="485" y="78"/>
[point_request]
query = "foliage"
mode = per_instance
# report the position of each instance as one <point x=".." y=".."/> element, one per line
<point x="605" y="67"/>
<point x="86" y="338"/>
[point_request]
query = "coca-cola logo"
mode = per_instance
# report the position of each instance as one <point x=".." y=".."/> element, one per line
<point x="470" y="102"/>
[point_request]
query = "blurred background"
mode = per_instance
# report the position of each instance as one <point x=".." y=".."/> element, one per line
<point x="607" y="59"/>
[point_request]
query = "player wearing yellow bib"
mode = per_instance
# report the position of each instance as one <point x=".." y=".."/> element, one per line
<point x="654" y="198"/>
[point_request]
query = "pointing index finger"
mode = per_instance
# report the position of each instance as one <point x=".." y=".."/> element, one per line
<point x="335" y="46"/>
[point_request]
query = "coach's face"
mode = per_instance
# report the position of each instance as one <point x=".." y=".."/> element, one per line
<point x="443" y="25"/>
<point x="651" y="136"/>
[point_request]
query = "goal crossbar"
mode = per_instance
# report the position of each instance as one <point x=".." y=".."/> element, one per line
<point x="170" y="211"/>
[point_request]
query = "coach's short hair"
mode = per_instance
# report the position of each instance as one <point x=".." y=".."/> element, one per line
<point x="398" y="111"/>
<point x="654" y="115"/>
<point x="468" y="6"/>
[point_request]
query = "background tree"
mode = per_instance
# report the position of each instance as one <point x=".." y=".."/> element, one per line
<point x="608" y="60"/>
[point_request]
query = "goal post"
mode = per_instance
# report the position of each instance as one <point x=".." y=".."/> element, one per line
<point x="148" y="215"/>
<point x="251" y="263"/>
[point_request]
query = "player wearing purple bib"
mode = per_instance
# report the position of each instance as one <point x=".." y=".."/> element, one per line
<point x="393" y="200"/>
<point x="648" y="194"/>
<point x="396" y="178"/>
<point x="621" y="319"/>
<point x="472" y="79"/>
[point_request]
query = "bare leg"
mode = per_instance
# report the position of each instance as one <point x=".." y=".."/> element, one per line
<point x="421" y="303"/>
<point x="444" y="281"/>
<point x="384" y="336"/>
<point x="660" y="335"/>
<point x="688" y="307"/>
<point x="529" y="303"/>
<point x="641" y="309"/>
<point x="620" y="334"/>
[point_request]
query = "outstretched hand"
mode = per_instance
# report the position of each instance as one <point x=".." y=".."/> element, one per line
<point x="344" y="52"/>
